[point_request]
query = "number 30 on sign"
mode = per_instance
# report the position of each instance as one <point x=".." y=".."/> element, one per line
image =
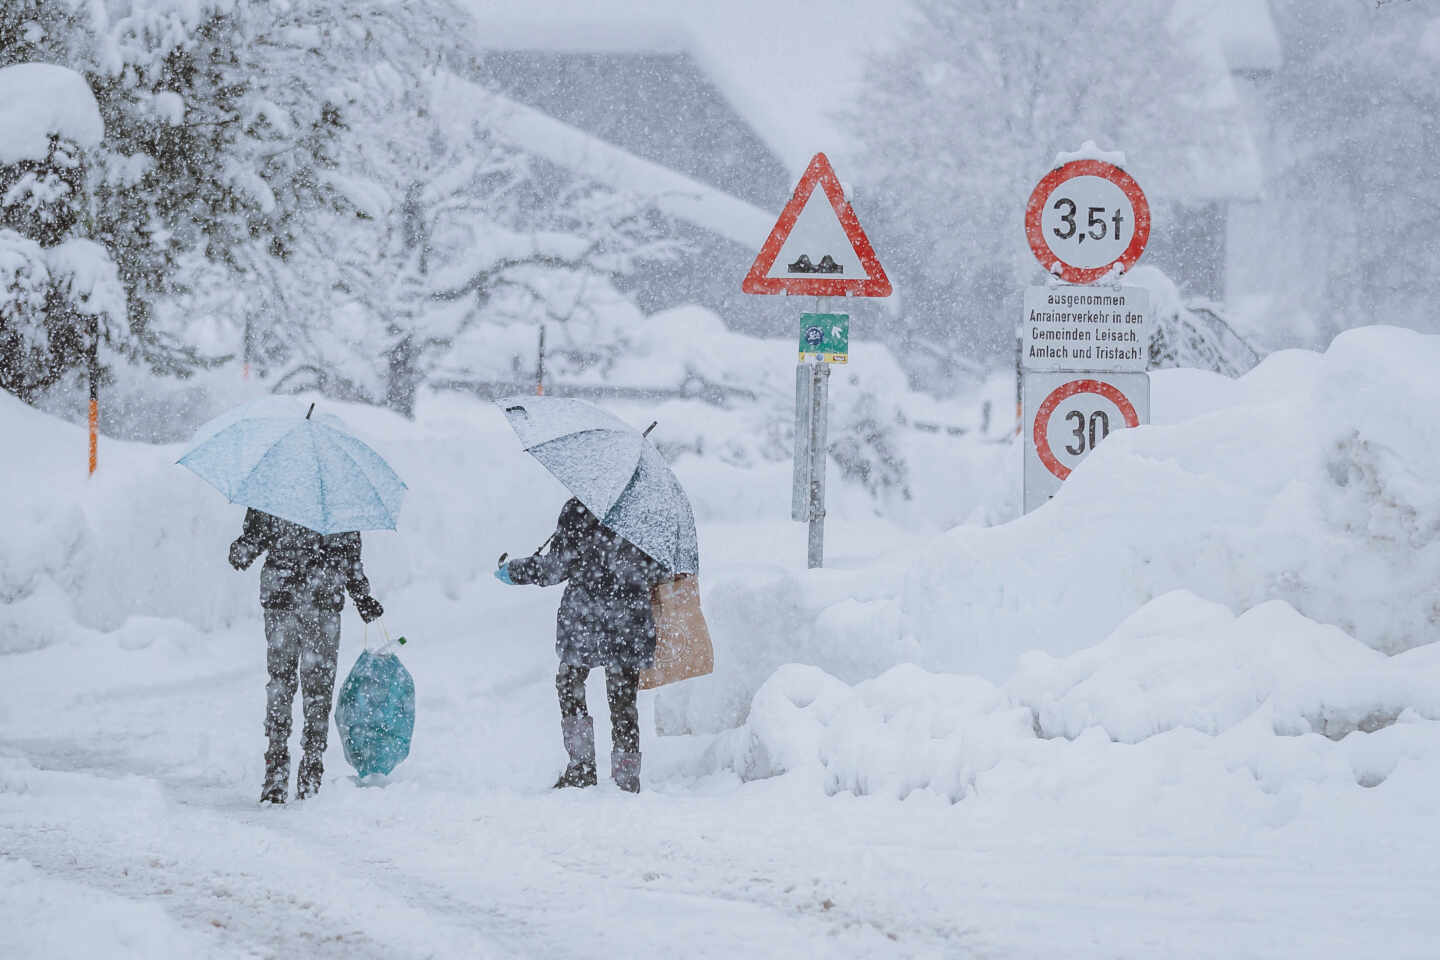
<point x="1084" y="218"/>
<point x="1067" y="415"/>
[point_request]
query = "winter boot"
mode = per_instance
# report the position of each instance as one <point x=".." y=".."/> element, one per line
<point x="307" y="781"/>
<point x="277" y="776"/>
<point x="580" y="745"/>
<point x="625" y="770"/>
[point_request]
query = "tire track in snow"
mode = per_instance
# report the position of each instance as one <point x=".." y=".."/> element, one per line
<point x="205" y="865"/>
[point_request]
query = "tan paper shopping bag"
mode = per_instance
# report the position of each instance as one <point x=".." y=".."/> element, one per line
<point x="682" y="648"/>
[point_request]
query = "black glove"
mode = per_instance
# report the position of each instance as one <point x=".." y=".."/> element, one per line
<point x="238" y="558"/>
<point x="369" y="608"/>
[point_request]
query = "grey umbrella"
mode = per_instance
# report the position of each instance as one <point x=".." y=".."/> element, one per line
<point x="614" y="470"/>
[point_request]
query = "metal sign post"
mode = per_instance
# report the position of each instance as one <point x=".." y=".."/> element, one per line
<point x="800" y="485"/>
<point x="824" y="339"/>
<point x="818" y="248"/>
<point x="819" y="449"/>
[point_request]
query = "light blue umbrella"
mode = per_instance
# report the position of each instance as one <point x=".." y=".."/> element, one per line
<point x="305" y="469"/>
<point x="614" y="470"/>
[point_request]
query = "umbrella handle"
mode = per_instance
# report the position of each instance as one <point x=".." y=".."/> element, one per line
<point x="505" y="556"/>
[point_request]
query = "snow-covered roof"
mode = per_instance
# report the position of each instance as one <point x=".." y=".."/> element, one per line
<point x="785" y="65"/>
<point x="789" y="72"/>
<point x="1244" y="29"/>
<point x="660" y="105"/>
<point x="41" y="100"/>
<point x="460" y="101"/>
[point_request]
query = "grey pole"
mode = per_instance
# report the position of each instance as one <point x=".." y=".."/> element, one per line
<point x="800" y="479"/>
<point x="819" y="417"/>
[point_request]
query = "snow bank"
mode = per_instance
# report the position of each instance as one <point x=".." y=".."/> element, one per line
<point x="146" y="538"/>
<point x="1184" y="708"/>
<point x="1309" y="480"/>
<point x="41" y="100"/>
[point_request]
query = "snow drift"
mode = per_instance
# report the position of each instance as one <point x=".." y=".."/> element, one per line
<point x="145" y="538"/>
<point x="1310" y="480"/>
<point x="1187" y="718"/>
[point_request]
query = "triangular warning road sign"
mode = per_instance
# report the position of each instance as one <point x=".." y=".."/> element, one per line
<point x="827" y="270"/>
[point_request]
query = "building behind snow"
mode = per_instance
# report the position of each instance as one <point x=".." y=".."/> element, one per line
<point x="1207" y="247"/>
<point x="649" y="118"/>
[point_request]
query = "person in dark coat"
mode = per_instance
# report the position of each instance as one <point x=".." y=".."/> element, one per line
<point x="302" y="590"/>
<point x="605" y="620"/>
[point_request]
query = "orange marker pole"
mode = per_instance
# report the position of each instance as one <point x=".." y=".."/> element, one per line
<point x="94" y="395"/>
<point x="94" y="440"/>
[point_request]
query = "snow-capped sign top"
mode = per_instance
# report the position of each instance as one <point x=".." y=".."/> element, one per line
<point x="818" y="247"/>
<point x="1087" y="220"/>
<point x="1090" y="151"/>
<point x="41" y="100"/>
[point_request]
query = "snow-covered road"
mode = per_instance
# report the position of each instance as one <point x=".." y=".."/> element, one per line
<point x="128" y="828"/>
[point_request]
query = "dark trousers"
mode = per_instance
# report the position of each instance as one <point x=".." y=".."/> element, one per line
<point x="621" y="686"/>
<point x="302" y="648"/>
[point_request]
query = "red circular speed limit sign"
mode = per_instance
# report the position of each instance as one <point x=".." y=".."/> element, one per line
<point x="1093" y="427"/>
<point x="1085" y="217"/>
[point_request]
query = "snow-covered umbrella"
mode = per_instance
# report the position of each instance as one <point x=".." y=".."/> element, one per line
<point x="614" y="470"/>
<point x="277" y="457"/>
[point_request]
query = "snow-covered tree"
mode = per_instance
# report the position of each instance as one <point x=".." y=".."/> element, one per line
<point x="44" y="198"/>
<point x="45" y="31"/>
<point x="275" y="175"/>
<point x="961" y="117"/>
<point x="60" y="296"/>
<point x="217" y="116"/>
<point x="450" y="230"/>
<point x="213" y="120"/>
<point x="24" y="290"/>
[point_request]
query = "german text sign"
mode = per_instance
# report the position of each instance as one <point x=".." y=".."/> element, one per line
<point x="1085" y="328"/>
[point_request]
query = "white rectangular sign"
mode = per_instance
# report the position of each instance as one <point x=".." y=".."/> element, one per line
<point x="1066" y="415"/>
<point x="1085" y="328"/>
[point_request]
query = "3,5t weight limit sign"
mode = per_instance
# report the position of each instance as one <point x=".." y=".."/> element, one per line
<point x="1099" y="220"/>
<point x="1085" y="217"/>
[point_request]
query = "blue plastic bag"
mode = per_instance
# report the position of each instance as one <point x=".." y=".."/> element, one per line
<point x="376" y="713"/>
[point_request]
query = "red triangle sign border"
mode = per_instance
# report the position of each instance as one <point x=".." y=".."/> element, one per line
<point x="874" y="284"/>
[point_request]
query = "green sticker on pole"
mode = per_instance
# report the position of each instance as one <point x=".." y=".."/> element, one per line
<point x="825" y="338"/>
